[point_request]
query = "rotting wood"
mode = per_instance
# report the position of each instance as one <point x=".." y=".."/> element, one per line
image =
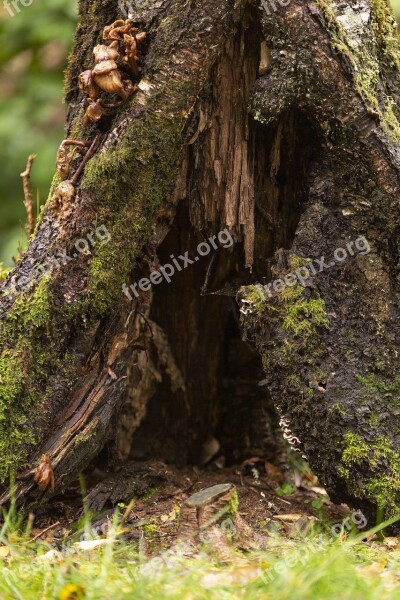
<point x="327" y="164"/>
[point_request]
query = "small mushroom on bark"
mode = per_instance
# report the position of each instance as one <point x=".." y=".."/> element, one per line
<point x="118" y="29"/>
<point x="105" y="73"/>
<point x="87" y="85"/>
<point x="94" y="111"/>
<point x="44" y="474"/>
<point x="131" y="57"/>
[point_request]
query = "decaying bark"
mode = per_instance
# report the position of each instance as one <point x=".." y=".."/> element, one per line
<point x="281" y="126"/>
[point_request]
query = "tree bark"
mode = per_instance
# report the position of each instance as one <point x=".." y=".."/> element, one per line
<point x="279" y="124"/>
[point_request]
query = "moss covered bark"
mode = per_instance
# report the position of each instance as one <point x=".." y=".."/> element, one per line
<point x="321" y="343"/>
<point x="54" y="329"/>
<point x="333" y="81"/>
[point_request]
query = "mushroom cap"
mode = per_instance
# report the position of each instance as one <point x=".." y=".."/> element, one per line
<point x="102" y="52"/>
<point x="94" y="111"/>
<point x="104" y="68"/>
<point x="87" y="85"/>
<point x="109" y="82"/>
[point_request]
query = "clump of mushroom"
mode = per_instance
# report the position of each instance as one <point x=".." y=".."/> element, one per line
<point x="116" y="66"/>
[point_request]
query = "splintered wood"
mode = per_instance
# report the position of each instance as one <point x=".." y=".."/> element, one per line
<point x="225" y="153"/>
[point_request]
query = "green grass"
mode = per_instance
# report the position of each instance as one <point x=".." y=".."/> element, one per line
<point x="118" y="571"/>
<point x="314" y="568"/>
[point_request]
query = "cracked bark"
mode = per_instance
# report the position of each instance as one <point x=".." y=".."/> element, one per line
<point x="248" y="119"/>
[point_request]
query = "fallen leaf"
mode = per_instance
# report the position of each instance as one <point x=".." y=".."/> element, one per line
<point x="274" y="473"/>
<point x="50" y="556"/>
<point x="171" y="516"/>
<point x="4" y="551"/>
<point x="391" y="542"/>
<point x="91" y="544"/>
<point x="44" y="474"/>
<point x="288" y="518"/>
<point x="318" y="490"/>
<point x="302" y="527"/>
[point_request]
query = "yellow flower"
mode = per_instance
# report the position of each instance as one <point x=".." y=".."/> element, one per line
<point x="72" y="592"/>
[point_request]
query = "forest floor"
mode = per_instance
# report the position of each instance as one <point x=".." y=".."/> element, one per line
<point x="297" y="544"/>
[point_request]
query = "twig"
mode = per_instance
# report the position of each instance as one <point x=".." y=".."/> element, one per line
<point x="45" y="531"/>
<point x="86" y="159"/>
<point x="78" y="143"/>
<point x="28" y="201"/>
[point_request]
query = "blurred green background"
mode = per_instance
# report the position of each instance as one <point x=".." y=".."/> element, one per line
<point x="34" y="46"/>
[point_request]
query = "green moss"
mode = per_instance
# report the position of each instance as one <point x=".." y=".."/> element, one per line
<point x="340" y="410"/>
<point x="3" y="272"/>
<point x="144" y="169"/>
<point x="382" y="487"/>
<point x="296" y="320"/>
<point x="290" y="309"/>
<point x="302" y="315"/>
<point x="28" y="357"/>
<point x="150" y="528"/>
<point x="296" y="262"/>
<point x="234" y="504"/>
<point x="383" y="23"/>
<point x="32" y="312"/>
<point x="369" y="60"/>
<point x="256" y="297"/>
<point x="14" y="429"/>
<point x="86" y="435"/>
<point x="149" y="494"/>
<point x="390" y="390"/>
<point x="356" y="449"/>
<point x="374" y="420"/>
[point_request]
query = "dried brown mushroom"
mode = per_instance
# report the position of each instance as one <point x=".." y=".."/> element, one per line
<point x="118" y="29"/>
<point x="106" y="76"/>
<point x="106" y="73"/>
<point x="87" y="85"/>
<point x="65" y="155"/>
<point x="63" y="195"/>
<point x="94" y="111"/>
<point x="131" y="57"/>
<point x="44" y="474"/>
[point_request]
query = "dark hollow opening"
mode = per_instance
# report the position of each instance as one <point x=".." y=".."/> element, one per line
<point x="225" y="409"/>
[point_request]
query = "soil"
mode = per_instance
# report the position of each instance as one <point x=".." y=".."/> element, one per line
<point x="149" y="496"/>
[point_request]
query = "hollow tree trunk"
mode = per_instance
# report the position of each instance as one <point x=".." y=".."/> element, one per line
<point x="280" y="125"/>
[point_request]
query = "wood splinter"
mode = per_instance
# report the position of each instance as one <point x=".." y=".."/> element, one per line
<point x="28" y="199"/>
